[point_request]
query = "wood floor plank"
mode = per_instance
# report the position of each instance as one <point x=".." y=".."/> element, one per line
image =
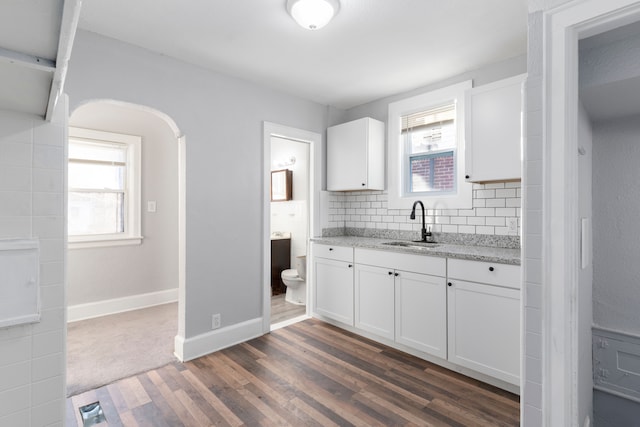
<point x="229" y="417"/>
<point x="307" y="374"/>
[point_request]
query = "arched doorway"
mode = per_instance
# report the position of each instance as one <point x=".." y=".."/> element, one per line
<point x="110" y="276"/>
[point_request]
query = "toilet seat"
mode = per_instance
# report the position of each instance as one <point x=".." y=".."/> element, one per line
<point x="291" y="274"/>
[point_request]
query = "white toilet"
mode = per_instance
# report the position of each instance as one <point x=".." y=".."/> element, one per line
<point x="295" y="282"/>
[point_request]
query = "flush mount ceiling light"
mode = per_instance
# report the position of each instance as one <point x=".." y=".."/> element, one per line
<point x="312" y="14"/>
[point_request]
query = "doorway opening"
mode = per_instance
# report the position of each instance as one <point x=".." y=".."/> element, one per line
<point x="290" y="210"/>
<point x="573" y="149"/>
<point x="289" y="228"/>
<point x="133" y="279"/>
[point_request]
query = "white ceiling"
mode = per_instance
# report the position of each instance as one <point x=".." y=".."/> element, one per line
<point x="372" y="48"/>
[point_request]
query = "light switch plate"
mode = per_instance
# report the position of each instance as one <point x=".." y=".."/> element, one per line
<point x="151" y="206"/>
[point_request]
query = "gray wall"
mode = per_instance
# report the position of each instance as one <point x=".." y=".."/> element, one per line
<point x="221" y="118"/>
<point x="616" y="206"/>
<point x="96" y="274"/>
<point x="493" y="72"/>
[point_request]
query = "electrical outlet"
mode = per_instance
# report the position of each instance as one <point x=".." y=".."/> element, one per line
<point x="512" y="225"/>
<point x="215" y="321"/>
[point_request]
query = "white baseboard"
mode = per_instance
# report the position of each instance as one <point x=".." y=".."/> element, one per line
<point x="191" y="348"/>
<point x="119" y="305"/>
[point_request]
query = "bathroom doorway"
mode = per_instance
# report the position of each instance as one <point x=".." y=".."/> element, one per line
<point x="290" y="202"/>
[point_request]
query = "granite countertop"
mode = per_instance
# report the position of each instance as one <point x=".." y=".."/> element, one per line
<point x="474" y="253"/>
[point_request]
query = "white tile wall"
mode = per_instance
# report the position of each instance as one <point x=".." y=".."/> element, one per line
<point x="532" y="381"/>
<point x="32" y="371"/>
<point x="493" y="205"/>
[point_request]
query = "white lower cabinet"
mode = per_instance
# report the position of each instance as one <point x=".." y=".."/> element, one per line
<point x="484" y="319"/>
<point x="421" y="312"/>
<point x="466" y="312"/>
<point x="374" y="293"/>
<point x="333" y="282"/>
<point x="395" y="298"/>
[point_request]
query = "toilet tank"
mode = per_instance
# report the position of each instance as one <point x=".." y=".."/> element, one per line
<point x="301" y="266"/>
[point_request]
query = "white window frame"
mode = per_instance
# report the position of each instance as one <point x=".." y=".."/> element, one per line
<point x="133" y="214"/>
<point x="398" y="198"/>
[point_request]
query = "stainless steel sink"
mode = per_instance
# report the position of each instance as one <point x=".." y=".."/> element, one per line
<point x="406" y="244"/>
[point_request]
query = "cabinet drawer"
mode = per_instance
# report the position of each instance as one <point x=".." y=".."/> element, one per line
<point x="485" y="272"/>
<point x="339" y="253"/>
<point x="408" y="262"/>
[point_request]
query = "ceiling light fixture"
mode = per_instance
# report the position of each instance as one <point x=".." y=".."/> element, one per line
<point x="312" y="14"/>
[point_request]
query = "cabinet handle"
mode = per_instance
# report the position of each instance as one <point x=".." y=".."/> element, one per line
<point x="467" y="177"/>
<point x="390" y="273"/>
<point x="396" y="274"/>
<point x="330" y="249"/>
<point x="491" y="269"/>
<point x="363" y="184"/>
<point x="450" y="284"/>
<point x="350" y="265"/>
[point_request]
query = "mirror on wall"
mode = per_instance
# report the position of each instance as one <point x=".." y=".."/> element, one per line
<point x="281" y="185"/>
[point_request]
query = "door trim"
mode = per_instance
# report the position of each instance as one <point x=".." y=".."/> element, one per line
<point x="315" y="141"/>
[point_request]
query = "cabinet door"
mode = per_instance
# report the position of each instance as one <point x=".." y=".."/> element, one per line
<point x="421" y="312"/>
<point x="333" y="284"/>
<point x="494" y="131"/>
<point x="347" y="156"/>
<point x="374" y="294"/>
<point x="484" y="329"/>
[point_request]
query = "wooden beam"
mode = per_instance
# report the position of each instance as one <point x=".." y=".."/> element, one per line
<point x="70" y="17"/>
<point x="26" y="60"/>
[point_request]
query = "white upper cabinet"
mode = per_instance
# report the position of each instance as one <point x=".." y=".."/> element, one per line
<point x="355" y="155"/>
<point x="494" y="131"/>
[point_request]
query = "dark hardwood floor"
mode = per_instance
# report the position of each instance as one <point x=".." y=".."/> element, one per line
<point x="282" y="310"/>
<point x="310" y="373"/>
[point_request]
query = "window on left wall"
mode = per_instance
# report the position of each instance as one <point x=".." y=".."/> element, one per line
<point x="103" y="188"/>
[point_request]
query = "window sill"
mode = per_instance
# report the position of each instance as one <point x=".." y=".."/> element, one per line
<point x="99" y="242"/>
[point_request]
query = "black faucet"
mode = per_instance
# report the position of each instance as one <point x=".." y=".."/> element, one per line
<point x="425" y="235"/>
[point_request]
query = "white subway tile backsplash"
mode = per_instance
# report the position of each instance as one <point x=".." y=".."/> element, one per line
<point x="495" y="203"/>
<point x="485" y="230"/>
<point x="485" y="212"/>
<point x="505" y="212"/>
<point x="487" y="216"/>
<point x="479" y="203"/>
<point x="485" y="194"/>
<point x="508" y="192"/>
<point x="449" y="228"/>
<point x="476" y="220"/>
<point x="469" y="229"/>
<point x="496" y="221"/>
